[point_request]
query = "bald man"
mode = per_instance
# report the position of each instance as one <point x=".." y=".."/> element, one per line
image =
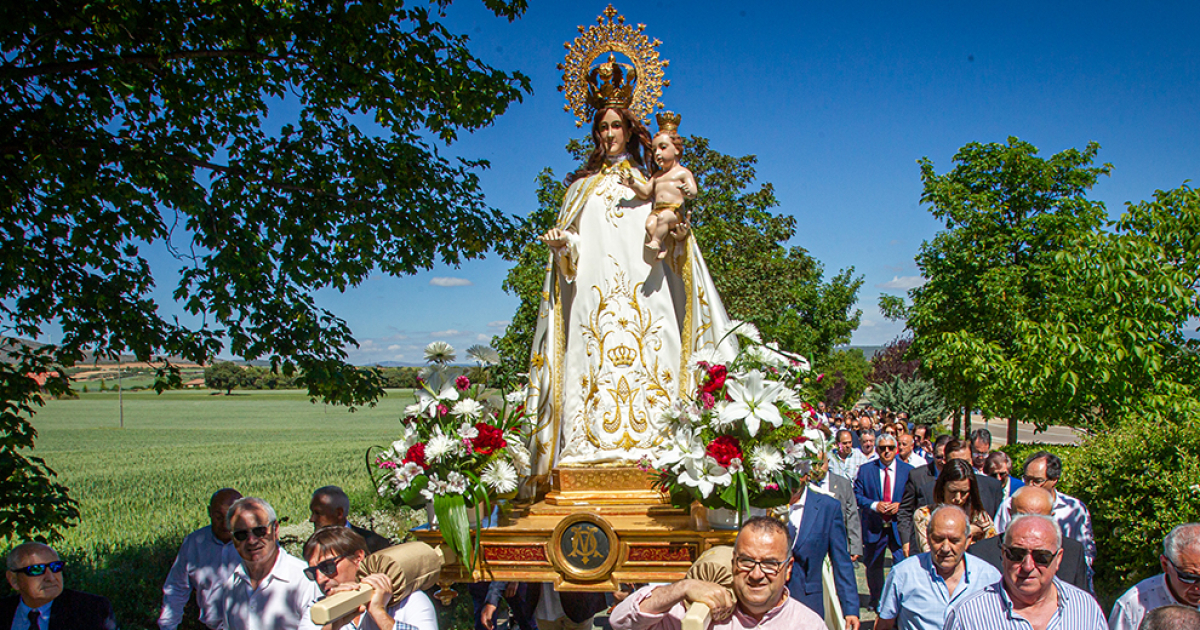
<point x="1034" y="500"/>
<point x="205" y="560"/>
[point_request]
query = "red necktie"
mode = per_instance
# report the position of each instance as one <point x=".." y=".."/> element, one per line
<point x="887" y="490"/>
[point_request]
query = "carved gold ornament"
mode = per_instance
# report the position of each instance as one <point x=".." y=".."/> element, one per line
<point x="635" y="87"/>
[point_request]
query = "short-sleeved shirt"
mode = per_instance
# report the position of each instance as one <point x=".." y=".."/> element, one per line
<point x="415" y="612"/>
<point x="1145" y="596"/>
<point x="917" y="598"/>
<point x="788" y="615"/>
<point x="992" y="609"/>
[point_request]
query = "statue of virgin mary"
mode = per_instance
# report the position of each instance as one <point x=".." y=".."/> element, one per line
<point x="618" y="331"/>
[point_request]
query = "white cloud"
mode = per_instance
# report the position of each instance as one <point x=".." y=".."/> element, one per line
<point x="394" y="347"/>
<point x="902" y="283"/>
<point x="445" y="333"/>
<point x="483" y="337"/>
<point x="446" y="281"/>
<point x="500" y="323"/>
<point x="867" y="323"/>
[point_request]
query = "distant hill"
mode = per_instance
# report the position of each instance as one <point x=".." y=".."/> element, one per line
<point x="868" y="351"/>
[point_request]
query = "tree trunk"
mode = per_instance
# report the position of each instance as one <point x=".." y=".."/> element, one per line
<point x="967" y="418"/>
<point x="1012" y="431"/>
<point x="955" y="430"/>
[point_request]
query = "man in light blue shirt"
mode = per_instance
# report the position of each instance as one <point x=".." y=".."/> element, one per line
<point x="922" y="588"/>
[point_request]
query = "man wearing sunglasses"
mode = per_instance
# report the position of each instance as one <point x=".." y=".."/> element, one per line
<point x="878" y="489"/>
<point x="1072" y="567"/>
<point x="205" y="560"/>
<point x="759" y="599"/>
<point x="1029" y="596"/>
<point x="1179" y="583"/>
<point x="41" y="603"/>
<point x="268" y="590"/>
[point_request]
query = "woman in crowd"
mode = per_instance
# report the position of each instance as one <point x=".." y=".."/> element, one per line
<point x="956" y="485"/>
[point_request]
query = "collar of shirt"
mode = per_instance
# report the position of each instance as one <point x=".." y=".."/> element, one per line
<point x="240" y="573"/>
<point x="1008" y="603"/>
<point x="748" y="622"/>
<point x="23" y="611"/>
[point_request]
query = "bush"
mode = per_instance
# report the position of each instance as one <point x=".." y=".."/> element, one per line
<point x="916" y="396"/>
<point x="1138" y="481"/>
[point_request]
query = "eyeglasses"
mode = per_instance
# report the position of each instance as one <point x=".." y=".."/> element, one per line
<point x="328" y="567"/>
<point x="35" y="570"/>
<point x="887" y="448"/>
<point x="1184" y="576"/>
<point x="1035" y="481"/>
<point x="259" y="532"/>
<point x="769" y="567"/>
<point x="999" y="476"/>
<point x="1041" y="557"/>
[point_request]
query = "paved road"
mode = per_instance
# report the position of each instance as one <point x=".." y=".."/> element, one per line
<point x="1025" y="432"/>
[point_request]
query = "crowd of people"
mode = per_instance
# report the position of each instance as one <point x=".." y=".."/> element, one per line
<point x="971" y="545"/>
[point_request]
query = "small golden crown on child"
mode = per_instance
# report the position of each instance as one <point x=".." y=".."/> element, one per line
<point x="668" y="122"/>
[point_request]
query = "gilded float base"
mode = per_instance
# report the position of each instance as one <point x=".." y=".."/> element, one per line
<point x="603" y="486"/>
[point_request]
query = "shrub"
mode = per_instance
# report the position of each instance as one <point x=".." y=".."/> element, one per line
<point x="917" y="396"/>
<point x="1138" y="481"/>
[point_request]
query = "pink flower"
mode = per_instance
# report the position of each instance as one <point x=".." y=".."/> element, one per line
<point x="442" y="410"/>
<point x="462" y="383"/>
<point x="389" y="464"/>
<point x="707" y="400"/>
<point x="771" y="486"/>
<point x="819" y="377"/>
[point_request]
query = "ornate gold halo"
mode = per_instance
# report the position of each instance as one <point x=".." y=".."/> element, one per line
<point x="608" y="36"/>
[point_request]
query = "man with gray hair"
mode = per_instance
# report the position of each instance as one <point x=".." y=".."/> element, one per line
<point x="330" y="507"/>
<point x="878" y="489"/>
<point x="1029" y="595"/>
<point x="1179" y="583"/>
<point x="268" y="590"/>
<point x="35" y="572"/>
<point x="205" y="560"/>
<point x="920" y="590"/>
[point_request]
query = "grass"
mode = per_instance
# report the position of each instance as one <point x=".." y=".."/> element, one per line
<point x="142" y="488"/>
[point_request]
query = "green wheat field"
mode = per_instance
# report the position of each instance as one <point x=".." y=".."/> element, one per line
<point x="142" y="488"/>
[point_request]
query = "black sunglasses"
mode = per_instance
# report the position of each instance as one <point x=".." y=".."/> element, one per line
<point x="887" y="447"/>
<point x="1184" y="576"/>
<point x="1041" y="557"/>
<point x="259" y="532"/>
<point x="35" y="570"/>
<point x="328" y="567"/>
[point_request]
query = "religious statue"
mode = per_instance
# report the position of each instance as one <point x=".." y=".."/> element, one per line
<point x="618" y="330"/>
<point x="668" y="186"/>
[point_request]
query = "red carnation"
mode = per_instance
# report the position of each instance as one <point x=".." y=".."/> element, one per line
<point x="716" y="379"/>
<point x="462" y="383"/>
<point x="724" y="449"/>
<point x="489" y="440"/>
<point x="416" y="455"/>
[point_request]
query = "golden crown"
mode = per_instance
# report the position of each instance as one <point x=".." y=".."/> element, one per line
<point x="622" y="356"/>
<point x="635" y="86"/>
<point x="668" y="122"/>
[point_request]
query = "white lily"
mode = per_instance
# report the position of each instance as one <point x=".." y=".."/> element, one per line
<point x="753" y="401"/>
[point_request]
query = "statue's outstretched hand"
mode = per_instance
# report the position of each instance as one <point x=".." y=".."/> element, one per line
<point x="555" y="238"/>
<point x="681" y="231"/>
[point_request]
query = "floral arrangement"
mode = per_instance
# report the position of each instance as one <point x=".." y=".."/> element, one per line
<point x="462" y="445"/>
<point x="748" y="436"/>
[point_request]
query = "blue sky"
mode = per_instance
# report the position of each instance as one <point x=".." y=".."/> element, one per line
<point x="838" y="101"/>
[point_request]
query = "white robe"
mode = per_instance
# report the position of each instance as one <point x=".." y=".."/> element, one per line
<point x="618" y="332"/>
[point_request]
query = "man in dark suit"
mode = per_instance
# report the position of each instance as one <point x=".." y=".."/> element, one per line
<point x="41" y="603"/>
<point x="878" y="489"/>
<point x="842" y="489"/>
<point x="330" y="506"/>
<point x="1073" y="568"/>
<point x="816" y="530"/>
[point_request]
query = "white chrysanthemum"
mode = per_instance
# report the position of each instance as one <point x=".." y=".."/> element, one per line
<point x="765" y="462"/>
<point x="440" y="446"/>
<point x="747" y="330"/>
<point x="709" y="355"/>
<point x="439" y="352"/>
<point x="483" y="354"/>
<point x="467" y="408"/>
<point x="500" y="476"/>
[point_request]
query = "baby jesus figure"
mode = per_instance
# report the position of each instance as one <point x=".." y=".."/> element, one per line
<point x="670" y="185"/>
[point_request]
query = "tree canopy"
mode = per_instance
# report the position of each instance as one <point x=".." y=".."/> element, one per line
<point x="1037" y="307"/>
<point x="129" y="126"/>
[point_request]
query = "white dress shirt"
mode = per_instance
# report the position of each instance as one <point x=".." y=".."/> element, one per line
<point x="279" y="601"/>
<point x="1145" y="596"/>
<point x="891" y="471"/>
<point x="203" y="564"/>
<point x="415" y="612"/>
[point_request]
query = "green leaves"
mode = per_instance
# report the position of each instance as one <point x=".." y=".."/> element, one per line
<point x="130" y="127"/>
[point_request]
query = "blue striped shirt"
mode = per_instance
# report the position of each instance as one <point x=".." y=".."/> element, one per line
<point x="992" y="609"/>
